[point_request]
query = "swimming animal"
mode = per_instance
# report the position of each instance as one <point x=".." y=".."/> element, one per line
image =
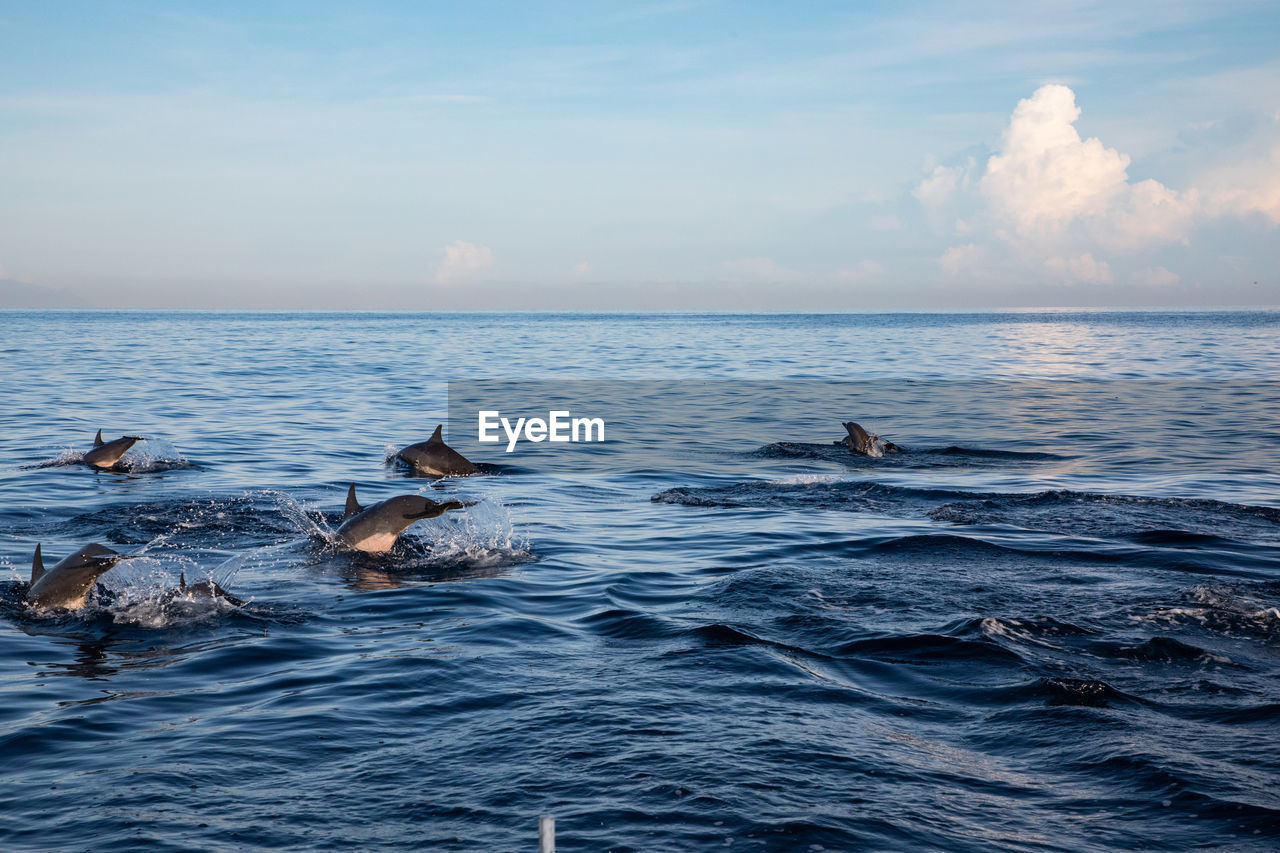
<point x="67" y="584"/>
<point x="106" y="456"/>
<point x="866" y="444"/>
<point x="203" y="589"/>
<point x="437" y="459"/>
<point x="376" y="528"/>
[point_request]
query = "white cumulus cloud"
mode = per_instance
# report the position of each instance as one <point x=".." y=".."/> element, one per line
<point x="964" y="260"/>
<point x="1049" y="186"/>
<point x="462" y="261"/>
<point x="939" y="186"/>
<point x="1080" y="268"/>
<point x="1049" y="203"/>
<point x="1156" y="277"/>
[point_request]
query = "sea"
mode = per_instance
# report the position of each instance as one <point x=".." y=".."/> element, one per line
<point x="1050" y="623"/>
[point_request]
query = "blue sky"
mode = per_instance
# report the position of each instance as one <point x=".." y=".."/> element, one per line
<point x="676" y="155"/>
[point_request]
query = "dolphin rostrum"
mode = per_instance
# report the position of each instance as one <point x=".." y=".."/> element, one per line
<point x="105" y="456"/>
<point x="864" y="443"/>
<point x="376" y="528"/>
<point x="437" y="459"/>
<point x="67" y="584"/>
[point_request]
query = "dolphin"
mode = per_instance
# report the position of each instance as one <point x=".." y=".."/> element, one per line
<point x="376" y="528"/>
<point x="437" y="459"/>
<point x="105" y="456"/>
<point x="864" y="443"/>
<point x="68" y="583"/>
<point x="204" y="589"/>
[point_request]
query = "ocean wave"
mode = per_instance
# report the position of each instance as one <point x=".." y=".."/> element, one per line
<point x="1226" y="609"/>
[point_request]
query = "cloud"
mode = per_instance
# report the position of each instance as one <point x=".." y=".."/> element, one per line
<point x="1081" y="268"/>
<point x="1157" y="277"/>
<point x="1250" y="187"/>
<point x="1046" y="180"/>
<point x="965" y="260"/>
<point x="759" y="269"/>
<point x="862" y="271"/>
<point x="462" y="261"/>
<point x="1051" y="203"/>
<point x="939" y="186"/>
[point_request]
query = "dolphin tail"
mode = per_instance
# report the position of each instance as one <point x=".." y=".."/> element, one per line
<point x="436" y="436"/>
<point x="97" y="439"/>
<point x="353" y="506"/>
<point x="37" y="565"/>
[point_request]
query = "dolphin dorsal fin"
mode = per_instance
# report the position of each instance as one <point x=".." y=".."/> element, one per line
<point x="182" y="581"/>
<point x="436" y="436"/>
<point x="37" y="565"/>
<point x="858" y="440"/>
<point x="97" y="439"/>
<point x="353" y="505"/>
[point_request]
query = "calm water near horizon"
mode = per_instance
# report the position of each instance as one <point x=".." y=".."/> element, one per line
<point x="1053" y="624"/>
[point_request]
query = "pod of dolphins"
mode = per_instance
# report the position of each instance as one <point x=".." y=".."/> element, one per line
<point x="373" y="529"/>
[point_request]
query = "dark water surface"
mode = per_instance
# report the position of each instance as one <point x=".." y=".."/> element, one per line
<point x="1054" y="624"/>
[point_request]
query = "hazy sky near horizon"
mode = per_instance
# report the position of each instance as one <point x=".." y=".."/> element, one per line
<point x="665" y="155"/>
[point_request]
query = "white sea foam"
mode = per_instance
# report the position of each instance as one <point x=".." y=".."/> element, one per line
<point x="808" y="480"/>
<point x="1223" y="609"/>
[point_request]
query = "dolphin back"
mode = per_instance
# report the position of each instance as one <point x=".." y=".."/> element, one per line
<point x="437" y="459"/>
<point x="107" y="455"/>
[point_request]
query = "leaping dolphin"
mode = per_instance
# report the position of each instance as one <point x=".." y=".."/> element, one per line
<point x="105" y="456"/>
<point x="437" y="459"/>
<point x="376" y="528"/>
<point x="864" y="443"/>
<point x="69" y="582"/>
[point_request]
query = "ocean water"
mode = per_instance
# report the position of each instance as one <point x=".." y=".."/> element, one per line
<point x="1052" y="624"/>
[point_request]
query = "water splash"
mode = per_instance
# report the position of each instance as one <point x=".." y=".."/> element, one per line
<point x="308" y="520"/>
<point x="65" y="457"/>
<point x="481" y="537"/>
<point x="153" y="454"/>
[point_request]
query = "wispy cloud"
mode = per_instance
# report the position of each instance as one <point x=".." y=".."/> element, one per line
<point x="759" y="270"/>
<point x="859" y="272"/>
<point x="463" y="261"/>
